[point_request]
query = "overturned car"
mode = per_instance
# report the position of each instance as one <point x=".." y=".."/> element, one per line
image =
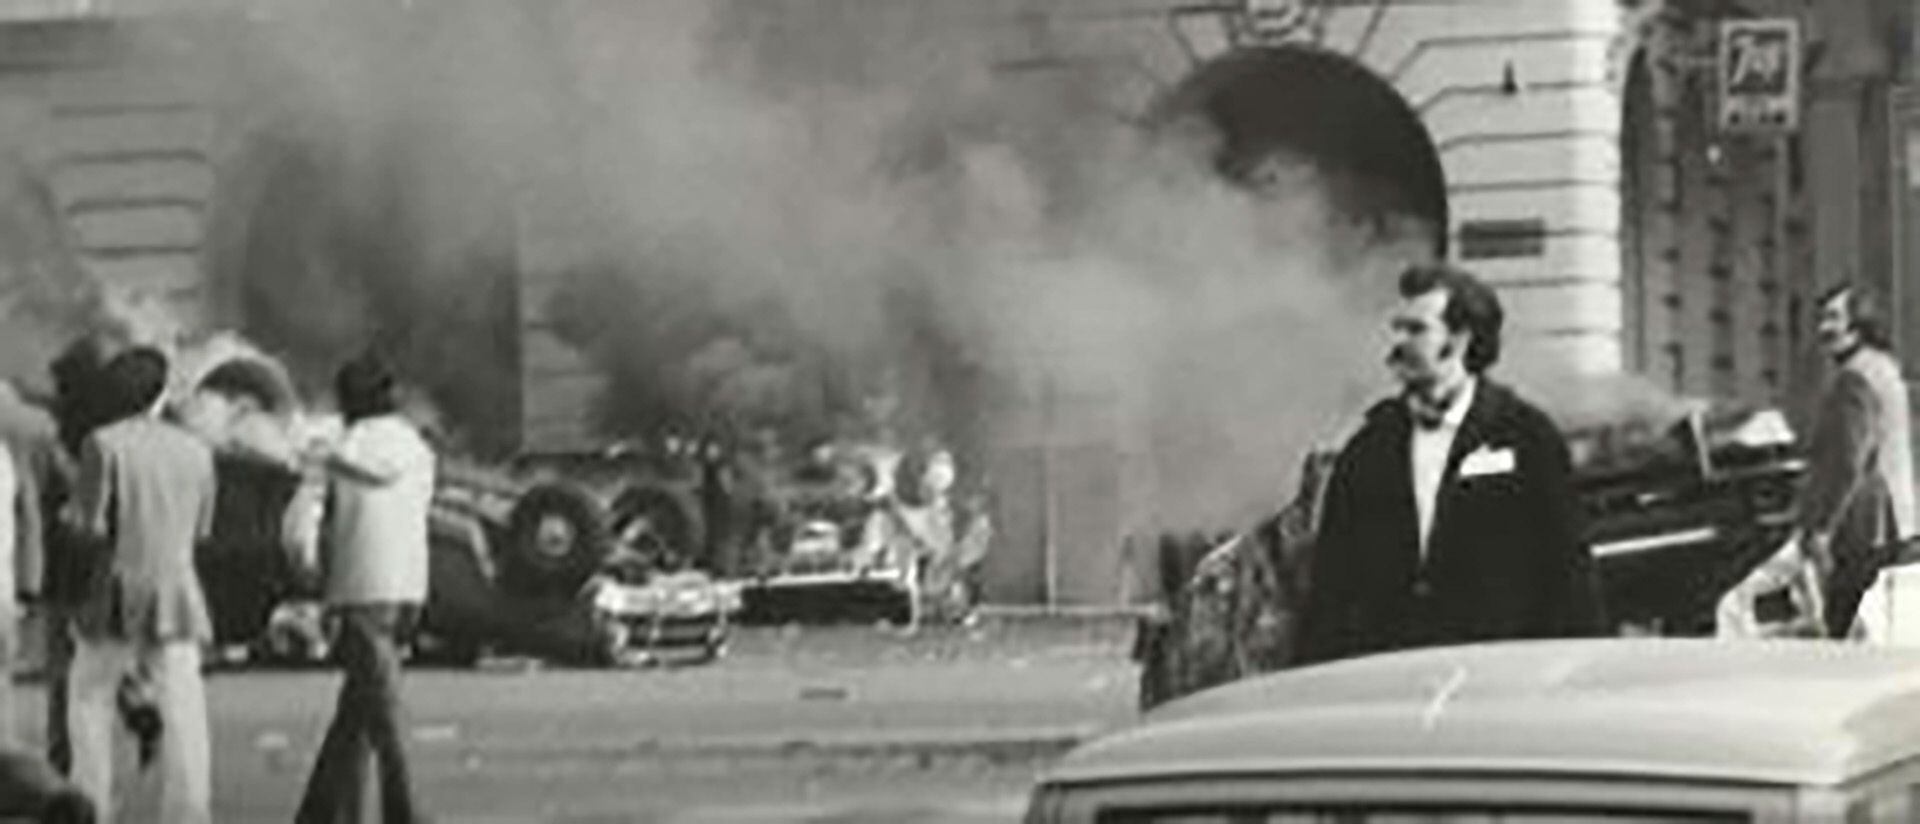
<point x="526" y="561"/>
<point x="1678" y="511"/>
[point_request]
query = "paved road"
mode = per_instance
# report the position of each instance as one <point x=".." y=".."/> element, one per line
<point x="841" y="726"/>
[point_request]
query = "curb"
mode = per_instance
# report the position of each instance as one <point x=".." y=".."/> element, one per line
<point x="1010" y="745"/>
<point x="1010" y="808"/>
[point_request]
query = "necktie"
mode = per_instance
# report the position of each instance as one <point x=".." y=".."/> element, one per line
<point x="1428" y="414"/>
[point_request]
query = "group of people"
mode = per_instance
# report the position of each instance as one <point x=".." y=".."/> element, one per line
<point x="1450" y="517"/>
<point x="111" y="500"/>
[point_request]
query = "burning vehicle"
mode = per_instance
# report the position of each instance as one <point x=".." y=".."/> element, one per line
<point x="609" y="556"/>
<point x="826" y="554"/>
<point x="544" y="559"/>
<point x="1678" y="512"/>
<point x="564" y="570"/>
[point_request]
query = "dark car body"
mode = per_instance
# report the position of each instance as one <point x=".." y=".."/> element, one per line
<point x="1677" y="516"/>
<point x="493" y="585"/>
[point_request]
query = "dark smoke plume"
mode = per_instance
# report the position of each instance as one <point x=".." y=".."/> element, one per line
<point x="785" y="214"/>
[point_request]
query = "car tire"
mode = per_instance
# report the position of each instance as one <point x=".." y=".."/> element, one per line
<point x="557" y="536"/>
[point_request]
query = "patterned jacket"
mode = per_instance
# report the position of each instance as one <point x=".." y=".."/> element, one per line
<point x="1237" y="613"/>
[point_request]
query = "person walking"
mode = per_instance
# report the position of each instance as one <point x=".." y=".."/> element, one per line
<point x="40" y="471"/>
<point x="82" y="404"/>
<point x="1449" y="517"/>
<point x="1858" y="504"/>
<point x="145" y="497"/>
<point x="380" y="478"/>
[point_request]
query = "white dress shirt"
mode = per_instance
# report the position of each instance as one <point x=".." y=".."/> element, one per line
<point x="1430" y="449"/>
<point x="377" y="532"/>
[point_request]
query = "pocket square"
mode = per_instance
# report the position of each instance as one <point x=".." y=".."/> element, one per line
<point x="1487" y="461"/>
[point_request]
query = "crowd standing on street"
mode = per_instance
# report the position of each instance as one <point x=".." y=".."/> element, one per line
<point x="108" y="502"/>
<point x="1449" y="517"/>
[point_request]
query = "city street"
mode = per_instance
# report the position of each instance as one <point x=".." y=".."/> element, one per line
<point x="845" y="725"/>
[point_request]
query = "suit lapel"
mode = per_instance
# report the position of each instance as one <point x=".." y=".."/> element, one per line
<point x="1472" y="434"/>
<point x="1398" y="455"/>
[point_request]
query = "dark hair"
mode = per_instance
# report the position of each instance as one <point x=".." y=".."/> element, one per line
<point x="81" y="400"/>
<point x="135" y="379"/>
<point x="1866" y="310"/>
<point x="365" y="387"/>
<point x="1472" y="307"/>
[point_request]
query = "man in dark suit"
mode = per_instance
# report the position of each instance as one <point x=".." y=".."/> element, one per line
<point x="1449" y="517"/>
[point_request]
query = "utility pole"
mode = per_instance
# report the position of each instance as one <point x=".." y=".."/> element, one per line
<point x="1049" y="528"/>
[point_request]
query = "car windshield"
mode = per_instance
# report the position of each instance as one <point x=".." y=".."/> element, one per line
<point x="1370" y="815"/>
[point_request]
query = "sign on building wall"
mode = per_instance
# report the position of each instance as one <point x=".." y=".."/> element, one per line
<point x="1759" y="72"/>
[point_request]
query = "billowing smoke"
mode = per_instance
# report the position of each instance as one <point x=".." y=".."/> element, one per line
<point x="773" y="214"/>
<point x="787" y="215"/>
<point x="1584" y="401"/>
<point x="46" y="297"/>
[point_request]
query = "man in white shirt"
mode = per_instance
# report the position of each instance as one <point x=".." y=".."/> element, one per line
<point x="380" y="486"/>
<point x="1450" y="517"/>
<point x="1430" y="447"/>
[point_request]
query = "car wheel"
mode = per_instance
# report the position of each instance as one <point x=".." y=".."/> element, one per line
<point x="557" y="538"/>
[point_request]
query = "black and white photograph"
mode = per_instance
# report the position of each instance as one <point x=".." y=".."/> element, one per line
<point x="959" y="411"/>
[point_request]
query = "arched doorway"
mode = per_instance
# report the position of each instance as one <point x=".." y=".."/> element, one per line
<point x="1329" y="108"/>
<point x="1207" y="402"/>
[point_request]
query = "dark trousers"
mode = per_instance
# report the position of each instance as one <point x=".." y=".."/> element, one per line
<point x="1853" y="573"/>
<point x="59" y="657"/>
<point x="367" y="722"/>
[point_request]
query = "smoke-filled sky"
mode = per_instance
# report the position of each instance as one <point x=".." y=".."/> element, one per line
<point x="757" y="212"/>
<point x="773" y="208"/>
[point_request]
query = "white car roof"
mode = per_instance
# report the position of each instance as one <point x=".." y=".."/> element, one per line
<point x="1786" y="712"/>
